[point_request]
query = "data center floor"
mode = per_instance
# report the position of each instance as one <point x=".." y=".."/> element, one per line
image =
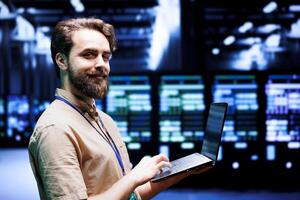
<point x="17" y="182"/>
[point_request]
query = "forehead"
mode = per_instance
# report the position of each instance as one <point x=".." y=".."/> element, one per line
<point x="89" y="39"/>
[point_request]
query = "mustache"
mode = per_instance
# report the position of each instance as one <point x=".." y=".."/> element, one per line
<point x="99" y="72"/>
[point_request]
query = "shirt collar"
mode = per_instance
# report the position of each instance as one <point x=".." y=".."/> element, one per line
<point x="86" y="105"/>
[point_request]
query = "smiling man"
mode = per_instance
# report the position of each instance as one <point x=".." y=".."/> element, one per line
<point x="76" y="151"/>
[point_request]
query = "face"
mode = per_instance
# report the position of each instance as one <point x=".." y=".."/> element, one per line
<point x="88" y="63"/>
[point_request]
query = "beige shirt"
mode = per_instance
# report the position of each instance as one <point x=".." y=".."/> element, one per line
<point x="69" y="158"/>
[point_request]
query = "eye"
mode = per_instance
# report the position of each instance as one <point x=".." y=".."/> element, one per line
<point x="88" y="55"/>
<point x="106" y="57"/>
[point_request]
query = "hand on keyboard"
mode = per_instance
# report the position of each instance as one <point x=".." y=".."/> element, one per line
<point x="165" y="169"/>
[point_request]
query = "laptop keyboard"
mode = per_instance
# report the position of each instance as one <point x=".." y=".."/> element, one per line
<point x="187" y="161"/>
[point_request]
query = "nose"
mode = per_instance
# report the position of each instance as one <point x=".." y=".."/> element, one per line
<point x="101" y="63"/>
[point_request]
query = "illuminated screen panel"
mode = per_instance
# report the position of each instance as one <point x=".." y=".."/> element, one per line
<point x="38" y="107"/>
<point x="240" y="130"/>
<point x="129" y="104"/>
<point x="2" y="119"/>
<point x="181" y="114"/>
<point x="99" y="104"/>
<point x="18" y="119"/>
<point x="283" y="118"/>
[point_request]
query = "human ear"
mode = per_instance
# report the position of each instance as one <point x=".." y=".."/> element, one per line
<point x="61" y="61"/>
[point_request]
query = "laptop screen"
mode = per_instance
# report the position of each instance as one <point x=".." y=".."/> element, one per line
<point x="214" y="129"/>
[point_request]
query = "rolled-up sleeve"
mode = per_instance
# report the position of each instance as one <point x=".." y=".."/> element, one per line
<point x="57" y="164"/>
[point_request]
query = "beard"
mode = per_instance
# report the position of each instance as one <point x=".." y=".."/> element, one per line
<point x="91" y="84"/>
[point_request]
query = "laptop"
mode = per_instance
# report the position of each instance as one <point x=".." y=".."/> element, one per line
<point x="210" y="147"/>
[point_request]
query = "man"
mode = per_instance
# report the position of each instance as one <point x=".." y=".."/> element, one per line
<point x="76" y="151"/>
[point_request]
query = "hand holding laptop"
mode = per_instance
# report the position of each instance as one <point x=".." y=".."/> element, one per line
<point x="207" y="158"/>
<point x="148" y="167"/>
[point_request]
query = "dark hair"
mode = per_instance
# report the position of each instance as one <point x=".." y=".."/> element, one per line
<point x="61" y="41"/>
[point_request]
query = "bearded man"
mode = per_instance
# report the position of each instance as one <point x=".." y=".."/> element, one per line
<point x="76" y="151"/>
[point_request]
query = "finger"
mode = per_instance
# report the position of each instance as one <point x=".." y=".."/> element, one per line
<point x="146" y="158"/>
<point x="160" y="157"/>
<point x="163" y="164"/>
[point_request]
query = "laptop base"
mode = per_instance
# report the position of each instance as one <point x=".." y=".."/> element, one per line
<point x="184" y="164"/>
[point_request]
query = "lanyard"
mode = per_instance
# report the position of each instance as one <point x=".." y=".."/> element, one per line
<point x="106" y="136"/>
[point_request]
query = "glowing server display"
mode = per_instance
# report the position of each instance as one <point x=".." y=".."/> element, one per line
<point x="129" y="104"/>
<point x="181" y="114"/>
<point x="283" y="119"/>
<point x="240" y="131"/>
<point x="18" y="118"/>
<point x="38" y="106"/>
<point x="2" y="119"/>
